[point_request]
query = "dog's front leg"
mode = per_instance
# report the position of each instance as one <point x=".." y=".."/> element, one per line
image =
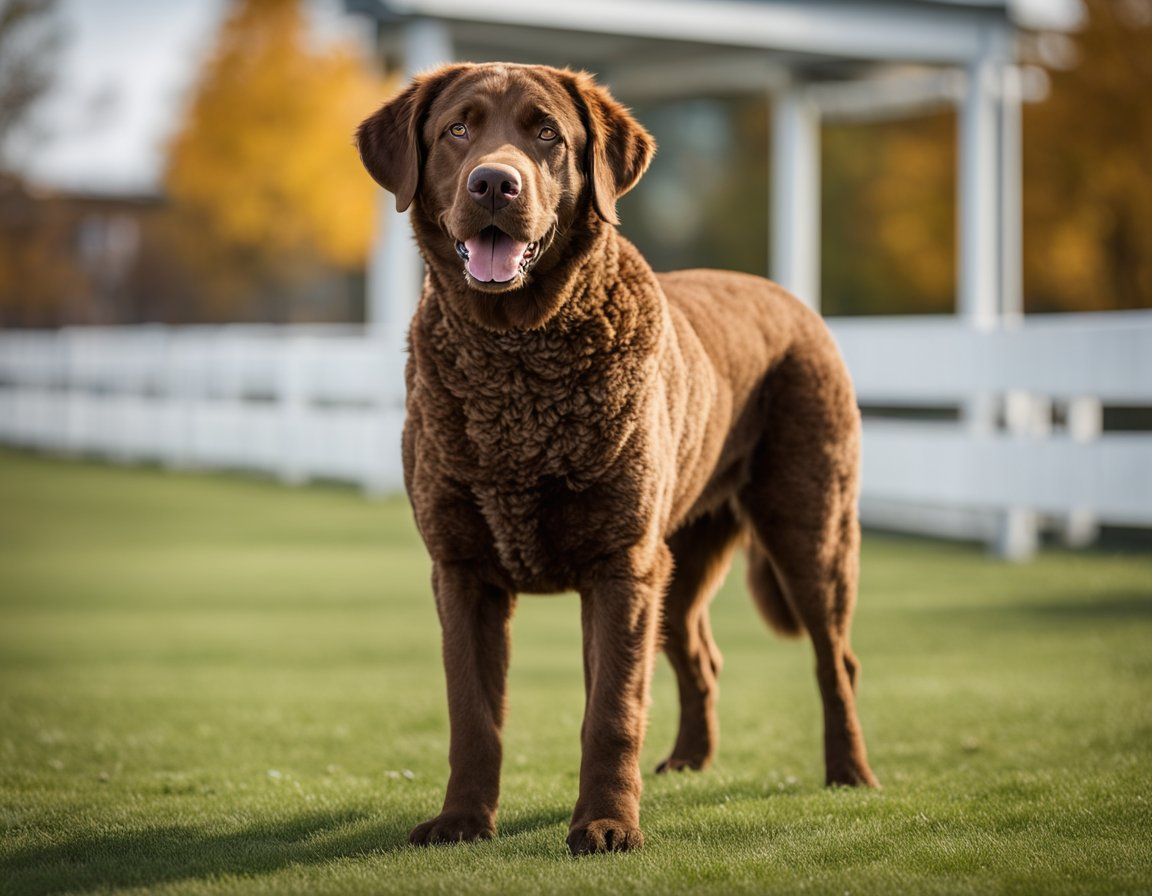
<point x="474" y="621"/>
<point x="620" y="612"/>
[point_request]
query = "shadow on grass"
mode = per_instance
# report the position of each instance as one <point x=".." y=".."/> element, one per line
<point x="175" y="853"/>
<point x="164" y="855"/>
<point x="1118" y="606"/>
<point x="535" y="820"/>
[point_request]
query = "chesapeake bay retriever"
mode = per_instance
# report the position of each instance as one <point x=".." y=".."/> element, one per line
<point x="576" y="421"/>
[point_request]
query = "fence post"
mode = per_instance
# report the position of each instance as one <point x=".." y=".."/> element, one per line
<point x="1027" y="416"/>
<point x="294" y="393"/>
<point x="183" y="391"/>
<point x="383" y="475"/>
<point x="1084" y="421"/>
<point x="1018" y="535"/>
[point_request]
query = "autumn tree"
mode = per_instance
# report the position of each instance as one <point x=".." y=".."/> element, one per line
<point x="33" y="280"/>
<point x="263" y="179"/>
<point x="29" y="41"/>
<point x="1088" y="169"/>
<point x="889" y="198"/>
<point x="889" y="216"/>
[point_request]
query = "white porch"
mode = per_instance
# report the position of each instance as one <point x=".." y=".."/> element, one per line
<point x="816" y="60"/>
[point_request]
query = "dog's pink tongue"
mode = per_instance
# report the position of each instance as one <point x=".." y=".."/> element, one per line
<point x="494" y="256"/>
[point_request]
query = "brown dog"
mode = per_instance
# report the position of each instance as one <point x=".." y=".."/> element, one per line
<point x="576" y="421"/>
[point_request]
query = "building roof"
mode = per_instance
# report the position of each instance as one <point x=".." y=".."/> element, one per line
<point x="816" y="37"/>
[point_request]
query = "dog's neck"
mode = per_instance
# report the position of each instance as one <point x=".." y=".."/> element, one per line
<point x="524" y="394"/>
<point x="607" y="292"/>
<point x="558" y="295"/>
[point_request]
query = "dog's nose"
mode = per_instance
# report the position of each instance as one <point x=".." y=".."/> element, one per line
<point x="494" y="186"/>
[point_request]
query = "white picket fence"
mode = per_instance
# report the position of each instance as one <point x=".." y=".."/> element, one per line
<point x="991" y="435"/>
<point x="300" y="403"/>
<point x="1027" y="450"/>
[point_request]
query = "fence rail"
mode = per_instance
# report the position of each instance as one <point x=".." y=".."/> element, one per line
<point x="299" y="403"/>
<point x="994" y="435"/>
<point x="1000" y="434"/>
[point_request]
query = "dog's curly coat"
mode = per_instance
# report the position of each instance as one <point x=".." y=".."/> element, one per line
<point x="576" y="421"/>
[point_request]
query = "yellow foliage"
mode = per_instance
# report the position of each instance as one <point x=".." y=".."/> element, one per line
<point x="264" y="166"/>
<point x="1088" y="170"/>
<point x="889" y="204"/>
<point x="889" y="216"/>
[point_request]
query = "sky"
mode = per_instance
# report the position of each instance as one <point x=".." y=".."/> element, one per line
<point x="122" y="71"/>
<point x="125" y="69"/>
<point x="123" y="74"/>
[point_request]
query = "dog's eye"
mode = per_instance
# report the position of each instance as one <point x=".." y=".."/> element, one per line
<point x="547" y="133"/>
<point x="458" y="130"/>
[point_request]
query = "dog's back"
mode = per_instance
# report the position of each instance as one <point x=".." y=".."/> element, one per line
<point x="771" y="359"/>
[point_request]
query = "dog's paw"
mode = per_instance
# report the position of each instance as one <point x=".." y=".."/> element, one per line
<point x="604" y="835"/>
<point x="851" y="776"/>
<point x="453" y="827"/>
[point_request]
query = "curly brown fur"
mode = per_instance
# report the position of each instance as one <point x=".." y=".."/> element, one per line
<point x="576" y="421"/>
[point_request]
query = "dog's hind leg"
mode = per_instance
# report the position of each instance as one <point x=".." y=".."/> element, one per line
<point x="768" y="593"/>
<point x="702" y="552"/>
<point x="801" y="501"/>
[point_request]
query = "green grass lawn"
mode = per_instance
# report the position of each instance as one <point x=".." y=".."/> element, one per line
<point x="218" y="685"/>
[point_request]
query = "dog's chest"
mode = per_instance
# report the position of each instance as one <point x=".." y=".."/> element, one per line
<point x="540" y="423"/>
<point x="545" y="403"/>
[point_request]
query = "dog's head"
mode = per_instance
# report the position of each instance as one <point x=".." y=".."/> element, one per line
<point x="503" y="160"/>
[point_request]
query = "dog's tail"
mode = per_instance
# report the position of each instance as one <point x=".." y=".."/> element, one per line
<point x="769" y="594"/>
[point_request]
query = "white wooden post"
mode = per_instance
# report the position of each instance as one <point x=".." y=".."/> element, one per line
<point x="980" y="213"/>
<point x="395" y="273"/>
<point x="1018" y="534"/>
<point x="1027" y="416"/>
<point x="395" y="270"/>
<point x="986" y="270"/>
<point x="1084" y="421"/>
<point x="294" y="394"/>
<point x="1011" y="189"/>
<point x="796" y="194"/>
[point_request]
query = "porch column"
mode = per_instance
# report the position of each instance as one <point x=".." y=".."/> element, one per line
<point x="395" y="270"/>
<point x="1011" y="192"/>
<point x="978" y="290"/>
<point x="796" y="194"/>
<point x="989" y="291"/>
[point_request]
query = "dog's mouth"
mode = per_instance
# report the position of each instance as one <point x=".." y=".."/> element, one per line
<point x="492" y="256"/>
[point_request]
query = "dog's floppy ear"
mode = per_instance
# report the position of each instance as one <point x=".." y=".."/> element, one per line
<point x="618" y="150"/>
<point x="389" y="140"/>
